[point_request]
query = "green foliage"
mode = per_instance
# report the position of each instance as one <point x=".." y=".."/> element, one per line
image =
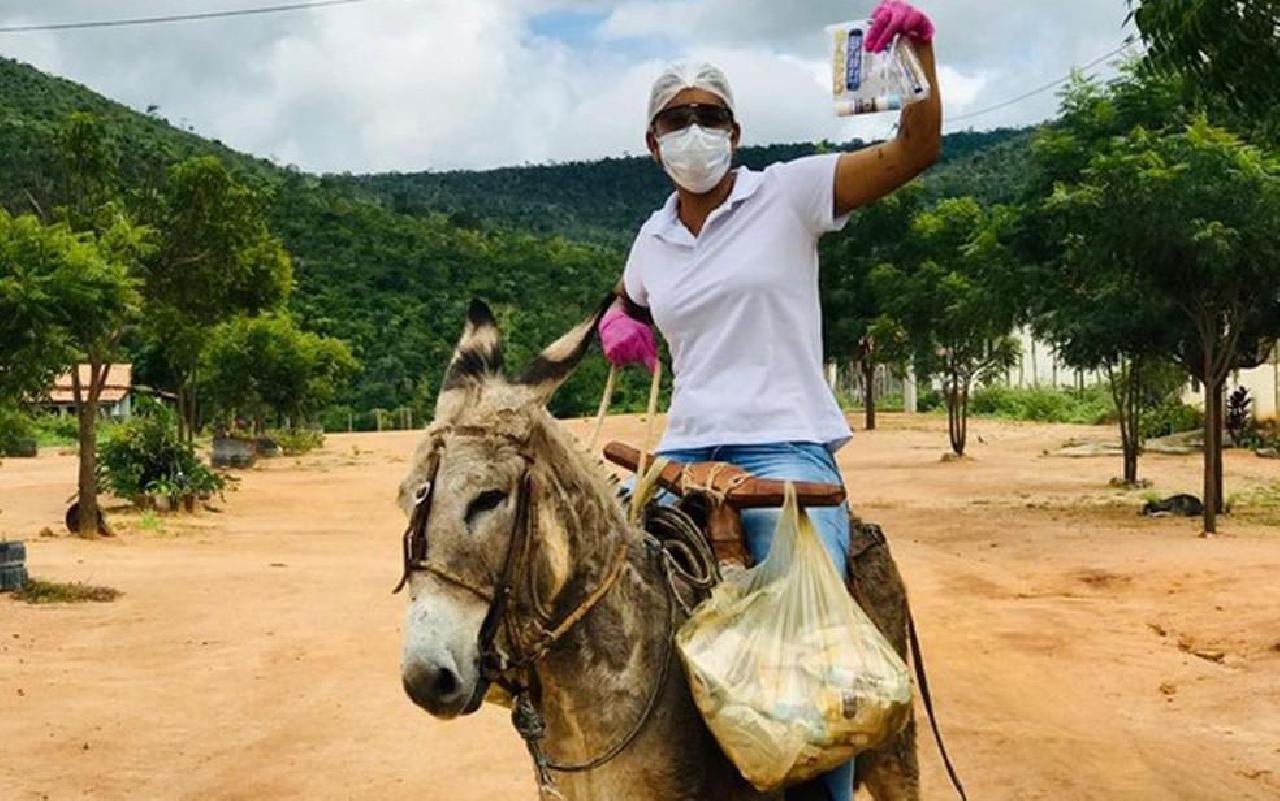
<point x="1225" y="52"/>
<point x="62" y="294"/>
<point x="258" y="367"/>
<point x="1093" y="406"/>
<point x="944" y="304"/>
<point x="947" y="306"/>
<point x="878" y="234"/>
<point x="606" y="201"/>
<point x="1171" y="417"/>
<point x="1190" y="217"/>
<point x="216" y="260"/>
<point x="145" y="456"/>
<point x="297" y="441"/>
<point x="17" y="432"/>
<point x="57" y="429"/>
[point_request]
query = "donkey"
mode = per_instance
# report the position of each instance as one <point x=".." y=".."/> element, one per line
<point x="525" y="573"/>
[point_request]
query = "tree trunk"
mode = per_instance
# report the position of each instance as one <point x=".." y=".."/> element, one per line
<point x="87" y="414"/>
<point x="1133" y="411"/>
<point x="182" y="403"/>
<point x="1126" y="393"/>
<point x="193" y="416"/>
<point x="869" y="393"/>
<point x="1212" y="428"/>
<point x="1219" y="402"/>
<point x="957" y="411"/>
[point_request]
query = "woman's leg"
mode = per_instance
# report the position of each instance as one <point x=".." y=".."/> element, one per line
<point x="798" y="462"/>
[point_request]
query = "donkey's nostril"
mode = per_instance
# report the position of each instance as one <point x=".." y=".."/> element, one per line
<point x="446" y="683"/>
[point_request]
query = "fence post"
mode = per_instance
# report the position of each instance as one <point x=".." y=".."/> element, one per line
<point x="910" y="401"/>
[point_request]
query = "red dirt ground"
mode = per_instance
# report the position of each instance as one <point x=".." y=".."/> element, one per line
<point x="1078" y="651"/>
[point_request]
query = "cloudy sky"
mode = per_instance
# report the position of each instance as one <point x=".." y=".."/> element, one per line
<point x="438" y="84"/>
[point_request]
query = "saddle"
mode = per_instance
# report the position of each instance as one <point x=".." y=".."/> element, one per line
<point x="715" y="493"/>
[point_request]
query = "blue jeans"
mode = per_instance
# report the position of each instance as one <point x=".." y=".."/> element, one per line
<point x="797" y="461"/>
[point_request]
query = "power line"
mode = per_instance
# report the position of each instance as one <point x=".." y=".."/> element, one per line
<point x="122" y="23"/>
<point x="1039" y="89"/>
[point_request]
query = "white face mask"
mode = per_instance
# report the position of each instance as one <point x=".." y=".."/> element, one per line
<point x="696" y="158"/>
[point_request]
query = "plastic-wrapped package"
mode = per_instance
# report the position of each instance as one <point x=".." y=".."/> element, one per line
<point x="790" y="675"/>
<point x="867" y="83"/>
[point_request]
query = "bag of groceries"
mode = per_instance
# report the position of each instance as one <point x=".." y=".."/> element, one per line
<point x="790" y="675"/>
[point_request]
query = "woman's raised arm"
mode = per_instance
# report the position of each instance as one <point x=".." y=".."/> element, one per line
<point x="867" y="175"/>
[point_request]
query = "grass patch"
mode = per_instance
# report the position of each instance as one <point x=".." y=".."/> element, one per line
<point x="1265" y="497"/>
<point x="61" y="592"/>
<point x="150" y="522"/>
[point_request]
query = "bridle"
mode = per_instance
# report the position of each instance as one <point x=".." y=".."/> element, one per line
<point x="515" y="672"/>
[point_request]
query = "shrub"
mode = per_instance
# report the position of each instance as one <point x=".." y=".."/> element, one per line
<point x="17" y="433"/>
<point x="930" y="399"/>
<point x="335" y="418"/>
<point x="1171" y="417"/>
<point x="57" y="429"/>
<point x="1093" y="406"/>
<point x="297" y="441"/>
<point x="146" y="457"/>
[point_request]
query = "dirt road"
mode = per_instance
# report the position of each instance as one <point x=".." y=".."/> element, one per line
<point x="1078" y="651"/>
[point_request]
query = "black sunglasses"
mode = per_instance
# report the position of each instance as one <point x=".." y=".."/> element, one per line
<point x="706" y="115"/>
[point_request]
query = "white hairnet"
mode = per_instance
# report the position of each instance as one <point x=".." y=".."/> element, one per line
<point x="688" y="75"/>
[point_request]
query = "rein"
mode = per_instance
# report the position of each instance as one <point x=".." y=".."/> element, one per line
<point x="498" y="667"/>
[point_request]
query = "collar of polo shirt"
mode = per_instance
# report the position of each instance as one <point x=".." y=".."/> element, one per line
<point x="745" y="184"/>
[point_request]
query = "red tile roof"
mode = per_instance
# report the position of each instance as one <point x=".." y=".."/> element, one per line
<point x="119" y="382"/>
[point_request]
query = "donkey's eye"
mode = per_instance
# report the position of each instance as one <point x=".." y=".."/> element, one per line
<point x="486" y="501"/>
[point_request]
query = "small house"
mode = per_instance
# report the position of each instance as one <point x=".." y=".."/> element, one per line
<point x="115" y="400"/>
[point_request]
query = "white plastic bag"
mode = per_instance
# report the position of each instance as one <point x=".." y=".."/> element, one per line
<point x="790" y="675"/>
<point x="866" y="83"/>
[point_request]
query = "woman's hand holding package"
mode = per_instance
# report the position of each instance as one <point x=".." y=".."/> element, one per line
<point x="894" y="17"/>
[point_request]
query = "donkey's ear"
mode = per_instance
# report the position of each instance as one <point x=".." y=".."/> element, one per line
<point x="479" y="353"/>
<point x="553" y="366"/>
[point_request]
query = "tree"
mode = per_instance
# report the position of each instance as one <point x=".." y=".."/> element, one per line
<point x="93" y="211"/>
<point x="78" y="292"/>
<point x="215" y="259"/>
<point x="266" y="366"/>
<point x="1194" y="216"/>
<point x="945" y="306"/>
<point x="1226" y="54"/>
<point x="1097" y="320"/>
<point x="1096" y="311"/>
<point x="879" y="234"/>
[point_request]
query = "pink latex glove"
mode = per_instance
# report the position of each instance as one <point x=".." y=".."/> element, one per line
<point x="893" y="17"/>
<point x="627" y="341"/>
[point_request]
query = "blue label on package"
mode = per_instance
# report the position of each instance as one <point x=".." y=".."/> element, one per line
<point x="853" y="61"/>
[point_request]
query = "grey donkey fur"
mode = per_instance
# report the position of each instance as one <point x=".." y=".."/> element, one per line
<point x="595" y="682"/>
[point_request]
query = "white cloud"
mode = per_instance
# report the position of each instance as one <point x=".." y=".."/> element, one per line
<point x="436" y="84"/>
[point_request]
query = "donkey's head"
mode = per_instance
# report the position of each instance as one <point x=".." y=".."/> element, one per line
<point x="491" y="440"/>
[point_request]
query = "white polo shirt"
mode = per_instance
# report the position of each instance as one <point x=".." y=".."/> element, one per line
<point x="738" y="306"/>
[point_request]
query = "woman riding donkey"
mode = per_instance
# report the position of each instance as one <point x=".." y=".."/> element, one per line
<point x="728" y="271"/>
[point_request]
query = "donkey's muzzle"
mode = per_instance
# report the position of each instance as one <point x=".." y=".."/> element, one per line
<point x="436" y="686"/>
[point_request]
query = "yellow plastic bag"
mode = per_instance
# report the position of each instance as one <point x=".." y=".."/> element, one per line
<point x="790" y="675"/>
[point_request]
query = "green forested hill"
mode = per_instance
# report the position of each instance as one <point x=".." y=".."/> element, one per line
<point x="606" y="201"/>
<point x="33" y="103"/>
<point x="388" y="262"/>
